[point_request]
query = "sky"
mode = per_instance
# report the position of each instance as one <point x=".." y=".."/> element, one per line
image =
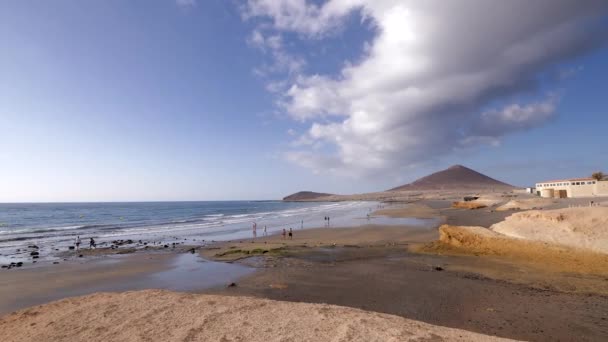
<point x="158" y="100"/>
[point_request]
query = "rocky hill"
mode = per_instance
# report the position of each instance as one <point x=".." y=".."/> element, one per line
<point x="305" y="196"/>
<point x="456" y="177"/>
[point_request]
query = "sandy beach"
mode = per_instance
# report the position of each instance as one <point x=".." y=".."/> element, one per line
<point x="168" y="316"/>
<point x="525" y="291"/>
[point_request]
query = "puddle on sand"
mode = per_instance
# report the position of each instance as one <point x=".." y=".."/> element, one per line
<point x="187" y="272"/>
<point x="190" y="272"/>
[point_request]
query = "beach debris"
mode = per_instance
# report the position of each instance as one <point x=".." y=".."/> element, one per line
<point x="192" y="250"/>
<point x="166" y="246"/>
<point x="231" y="285"/>
<point x="438" y="268"/>
<point x="279" y="286"/>
<point x="34" y="253"/>
<point x="80" y="256"/>
<point x="33" y="246"/>
<point x="71" y="248"/>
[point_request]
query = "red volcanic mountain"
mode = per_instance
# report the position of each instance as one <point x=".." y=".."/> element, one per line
<point x="455" y="177"/>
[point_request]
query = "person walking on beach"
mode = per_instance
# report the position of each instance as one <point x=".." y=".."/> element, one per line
<point x="265" y="233"/>
<point x="78" y="242"/>
<point x="255" y="229"/>
<point x="92" y="243"/>
<point x="290" y="234"/>
<point x="302" y="225"/>
<point x="284" y="233"/>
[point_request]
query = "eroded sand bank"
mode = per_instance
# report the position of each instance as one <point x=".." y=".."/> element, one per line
<point x="583" y="227"/>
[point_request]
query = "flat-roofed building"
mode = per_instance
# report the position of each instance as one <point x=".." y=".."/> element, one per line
<point x="573" y="187"/>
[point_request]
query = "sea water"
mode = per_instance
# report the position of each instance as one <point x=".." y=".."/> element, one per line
<point x="55" y="226"/>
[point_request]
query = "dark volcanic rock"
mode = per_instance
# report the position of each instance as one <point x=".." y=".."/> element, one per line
<point x="305" y="196"/>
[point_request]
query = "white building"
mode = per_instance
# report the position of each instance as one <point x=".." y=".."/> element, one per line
<point x="575" y="187"/>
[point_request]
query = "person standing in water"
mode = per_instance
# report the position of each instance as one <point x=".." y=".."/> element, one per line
<point x="78" y="242"/>
<point x="290" y="234"/>
<point x="302" y="225"/>
<point x="265" y="233"/>
<point x="284" y="233"/>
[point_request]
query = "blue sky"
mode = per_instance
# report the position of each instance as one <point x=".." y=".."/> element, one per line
<point x="211" y="100"/>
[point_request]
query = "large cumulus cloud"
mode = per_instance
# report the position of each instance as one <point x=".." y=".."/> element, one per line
<point x="426" y="82"/>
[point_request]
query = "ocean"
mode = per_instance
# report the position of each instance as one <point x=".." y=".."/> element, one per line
<point x="55" y="226"/>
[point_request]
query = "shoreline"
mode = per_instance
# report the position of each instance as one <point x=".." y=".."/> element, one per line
<point x="380" y="268"/>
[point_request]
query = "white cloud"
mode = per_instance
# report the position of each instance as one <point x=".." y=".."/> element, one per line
<point x="282" y="61"/>
<point x="514" y="117"/>
<point x="186" y="3"/>
<point x="418" y="90"/>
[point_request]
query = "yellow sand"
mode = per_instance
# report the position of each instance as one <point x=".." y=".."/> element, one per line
<point x="411" y="210"/>
<point x="482" y="241"/>
<point x="525" y="204"/>
<point x="156" y="315"/>
<point x="468" y="205"/>
<point x="585" y="227"/>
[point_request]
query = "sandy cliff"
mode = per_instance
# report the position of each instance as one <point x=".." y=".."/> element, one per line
<point x="585" y="227"/>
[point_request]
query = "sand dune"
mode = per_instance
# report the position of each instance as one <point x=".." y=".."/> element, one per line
<point x="156" y="315"/>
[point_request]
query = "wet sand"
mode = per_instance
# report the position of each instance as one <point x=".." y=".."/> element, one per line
<point x="20" y="288"/>
<point x="441" y="290"/>
<point x="490" y="294"/>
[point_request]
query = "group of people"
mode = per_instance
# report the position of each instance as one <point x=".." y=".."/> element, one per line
<point x="255" y="230"/>
<point x="91" y="243"/>
<point x="285" y="234"/>
<point x="327" y="221"/>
